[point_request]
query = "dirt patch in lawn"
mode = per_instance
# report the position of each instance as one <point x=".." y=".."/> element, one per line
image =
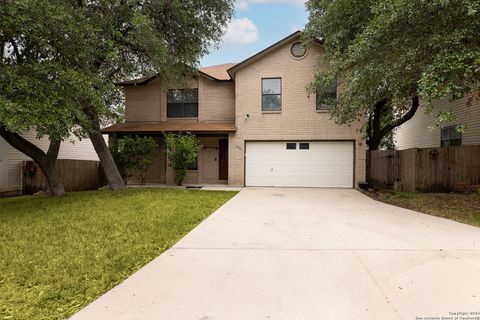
<point x="460" y="207"/>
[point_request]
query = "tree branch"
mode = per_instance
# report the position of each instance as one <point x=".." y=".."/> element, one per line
<point x="46" y="161"/>
<point x="409" y="115"/>
<point x="21" y="144"/>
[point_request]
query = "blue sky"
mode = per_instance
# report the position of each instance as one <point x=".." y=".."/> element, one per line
<point x="257" y="24"/>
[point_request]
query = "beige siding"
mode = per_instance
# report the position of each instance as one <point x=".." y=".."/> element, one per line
<point x="298" y="120"/>
<point x="420" y="131"/>
<point x="79" y="150"/>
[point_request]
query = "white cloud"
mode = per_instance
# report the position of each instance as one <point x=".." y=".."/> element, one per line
<point x="241" y="5"/>
<point x="240" y="32"/>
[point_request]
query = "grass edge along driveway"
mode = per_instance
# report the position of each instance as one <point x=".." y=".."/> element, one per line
<point x="59" y="254"/>
<point x="464" y="208"/>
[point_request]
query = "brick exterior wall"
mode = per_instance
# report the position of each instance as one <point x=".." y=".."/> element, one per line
<point x="216" y="103"/>
<point x="208" y="164"/>
<point x="148" y="103"/>
<point x="143" y="103"/>
<point x="232" y="101"/>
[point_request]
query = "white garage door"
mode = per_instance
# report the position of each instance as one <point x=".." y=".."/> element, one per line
<point x="299" y="164"/>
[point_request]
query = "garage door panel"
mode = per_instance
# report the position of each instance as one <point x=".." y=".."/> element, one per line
<point x="324" y="164"/>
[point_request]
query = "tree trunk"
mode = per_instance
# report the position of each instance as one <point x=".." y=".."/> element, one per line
<point x="374" y="130"/>
<point x="54" y="181"/>
<point x="374" y="126"/>
<point x="46" y="161"/>
<point x="114" y="179"/>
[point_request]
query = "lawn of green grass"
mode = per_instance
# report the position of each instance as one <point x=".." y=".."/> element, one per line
<point x="58" y="254"/>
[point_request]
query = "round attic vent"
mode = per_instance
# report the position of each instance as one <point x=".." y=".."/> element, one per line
<point x="298" y="50"/>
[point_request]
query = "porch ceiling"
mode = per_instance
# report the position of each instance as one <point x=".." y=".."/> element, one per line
<point x="149" y="127"/>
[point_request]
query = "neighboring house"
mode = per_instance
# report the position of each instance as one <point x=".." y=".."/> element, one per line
<point x="421" y="132"/>
<point x="255" y="121"/>
<point x="11" y="159"/>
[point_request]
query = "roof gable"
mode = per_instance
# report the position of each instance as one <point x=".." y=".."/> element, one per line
<point x="292" y="37"/>
<point x="226" y="71"/>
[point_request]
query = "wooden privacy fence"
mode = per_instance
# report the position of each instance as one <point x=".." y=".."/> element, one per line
<point x="429" y="169"/>
<point x="77" y="175"/>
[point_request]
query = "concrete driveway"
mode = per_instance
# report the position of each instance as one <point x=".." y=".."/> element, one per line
<point x="294" y="254"/>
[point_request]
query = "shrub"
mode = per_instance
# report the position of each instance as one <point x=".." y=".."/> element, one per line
<point x="135" y="155"/>
<point x="182" y="149"/>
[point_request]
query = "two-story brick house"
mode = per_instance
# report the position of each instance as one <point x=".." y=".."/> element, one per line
<point x="255" y="121"/>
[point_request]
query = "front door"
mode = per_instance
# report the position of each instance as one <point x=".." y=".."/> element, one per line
<point x="210" y="164"/>
<point x="223" y="156"/>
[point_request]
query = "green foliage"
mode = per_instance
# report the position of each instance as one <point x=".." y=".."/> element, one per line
<point x="182" y="149"/>
<point x="62" y="57"/>
<point x="394" y="50"/>
<point x="135" y="154"/>
<point x="36" y="92"/>
<point x="388" y="142"/>
<point x="60" y="254"/>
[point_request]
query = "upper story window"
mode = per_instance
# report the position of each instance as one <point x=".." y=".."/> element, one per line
<point x="451" y="137"/>
<point x="326" y="98"/>
<point x="182" y="103"/>
<point x="272" y="94"/>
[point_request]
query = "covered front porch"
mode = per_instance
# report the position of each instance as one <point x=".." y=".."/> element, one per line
<point x="211" y="166"/>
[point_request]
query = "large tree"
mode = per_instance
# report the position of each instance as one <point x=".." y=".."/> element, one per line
<point x="37" y="90"/>
<point x="388" y="55"/>
<point x="100" y="42"/>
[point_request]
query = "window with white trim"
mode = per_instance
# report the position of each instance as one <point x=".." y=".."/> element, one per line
<point x="326" y="98"/>
<point x="271" y="94"/>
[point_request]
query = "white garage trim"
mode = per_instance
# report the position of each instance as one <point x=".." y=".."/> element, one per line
<point x="328" y="164"/>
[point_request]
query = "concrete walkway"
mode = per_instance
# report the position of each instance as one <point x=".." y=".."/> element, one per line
<point x="294" y="254"/>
